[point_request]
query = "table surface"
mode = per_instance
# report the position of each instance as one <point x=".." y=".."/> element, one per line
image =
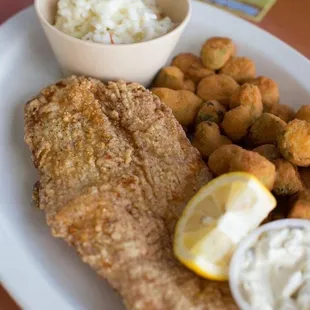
<point x="276" y="22"/>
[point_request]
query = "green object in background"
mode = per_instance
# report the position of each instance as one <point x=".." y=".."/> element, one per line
<point x="254" y="10"/>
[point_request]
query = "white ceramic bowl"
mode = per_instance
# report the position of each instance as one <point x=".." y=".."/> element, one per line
<point x="236" y="262"/>
<point x="138" y="62"/>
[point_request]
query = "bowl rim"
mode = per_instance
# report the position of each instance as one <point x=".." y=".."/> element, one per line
<point x="178" y="28"/>
<point x="236" y="260"/>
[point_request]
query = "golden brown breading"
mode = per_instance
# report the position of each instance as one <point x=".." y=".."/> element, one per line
<point x="269" y="151"/>
<point x="218" y="87"/>
<point x="241" y="69"/>
<point x="190" y="85"/>
<point x="219" y="160"/>
<point x="183" y="103"/>
<point x="170" y="77"/>
<point x="232" y="158"/>
<point x="197" y="72"/>
<point x="294" y="142"/>
<point x="116" y="170"/>
<point x="237" y="122"/>
<point x="285" y="112"/>
<point x="303" y="113"/>
<point x="301" y="205"/>
<point x="266" y="129"/>
<point x="248" y="95"/>
<point x="184" y="61"/>
<point x="192" y="67"/>
<point x="269" y="90"/>
<point x="288" y="180"/>
<point x="210" y="111"/>
<point x="255" y="164"/>
<point x="216" y="52"/>
<point x="208" y="138"/>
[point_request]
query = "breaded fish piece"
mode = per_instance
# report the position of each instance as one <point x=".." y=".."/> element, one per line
<point x="116" y="171"/>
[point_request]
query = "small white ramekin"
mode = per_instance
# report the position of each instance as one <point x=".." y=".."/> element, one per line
<point x="236" y="262"/>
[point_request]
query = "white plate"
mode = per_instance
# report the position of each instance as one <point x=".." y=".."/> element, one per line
<point x="42" y="272"/>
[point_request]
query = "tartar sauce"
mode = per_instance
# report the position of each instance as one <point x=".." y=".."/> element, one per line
<point x="276" y="271"/>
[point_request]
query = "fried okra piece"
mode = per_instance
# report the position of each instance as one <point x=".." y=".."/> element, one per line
<point x="219" y="160"/>
<point x="170" y="77"/>
<point x="288" y="181"/>
<point x="269" y="90"/>
<point x="183" y="103"/>
<point x="192" y="67"/>
<point x="208" y="138"/>
<point x="266" y="129"/>
<point x="232" y="158"/>
<point x="259" y="166"/>
<point x="241" y="69"/>
<point x="190" y="85"/>
<point x="283" y="111"/>
<point x="197" y="72"/>
<point x="269" y="151"/>
<point x="248" y="95"/>
<point x="300" y="205"/>
<point x="211" y="111"/>
<point x="218" y="87"/>
<point x="184" y="61"/>
<point x="237" y="122"/>
<point x="216" y="52"/>
<point x="294" y="142"/>
<point x="303" y="113"/>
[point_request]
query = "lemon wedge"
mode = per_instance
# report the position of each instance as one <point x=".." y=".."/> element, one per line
<point x="216" y="219"/>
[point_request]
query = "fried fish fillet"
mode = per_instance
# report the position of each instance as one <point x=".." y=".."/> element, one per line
<point x="116" y="170"/>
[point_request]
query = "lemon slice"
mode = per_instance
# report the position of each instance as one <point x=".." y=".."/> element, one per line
<point x="216" y="219"/>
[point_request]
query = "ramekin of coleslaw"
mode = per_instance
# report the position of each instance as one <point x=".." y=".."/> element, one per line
<point x="113" y="39"/>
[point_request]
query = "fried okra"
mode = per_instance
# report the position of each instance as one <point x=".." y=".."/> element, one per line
<point x="231" y="158"/>
<point x="300" y="205"/>
<point x="266" y="129"/>
<point x="241" y="69"/>
<point x="259" y="166"/>
<point x="269" y="151"/>
<point x="170" y="77"/>
<point x="216" y="52"/>
<point x="190" y="85"/>
<point x="269" y="91"/>
<point x="197" y="72"/>
<point x="237" y="122"/>
<point x="184" y="61"/>
<point x="218" y="87"/>
<point x="192" y="67"/>
<point x="294" y="142"/>
<point x="219" y="160"/>
<point x="288" y="181"/>
<point x="208" y="138"/>
<point x="303" y="113"/>
<point x="248" y="95"/>
<point x="211" y="111"/>
<point x="183" y="103"/>
<point x="283" y="111"/>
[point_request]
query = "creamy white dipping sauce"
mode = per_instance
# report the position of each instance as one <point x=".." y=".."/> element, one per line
<point x="276" y="271"/>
